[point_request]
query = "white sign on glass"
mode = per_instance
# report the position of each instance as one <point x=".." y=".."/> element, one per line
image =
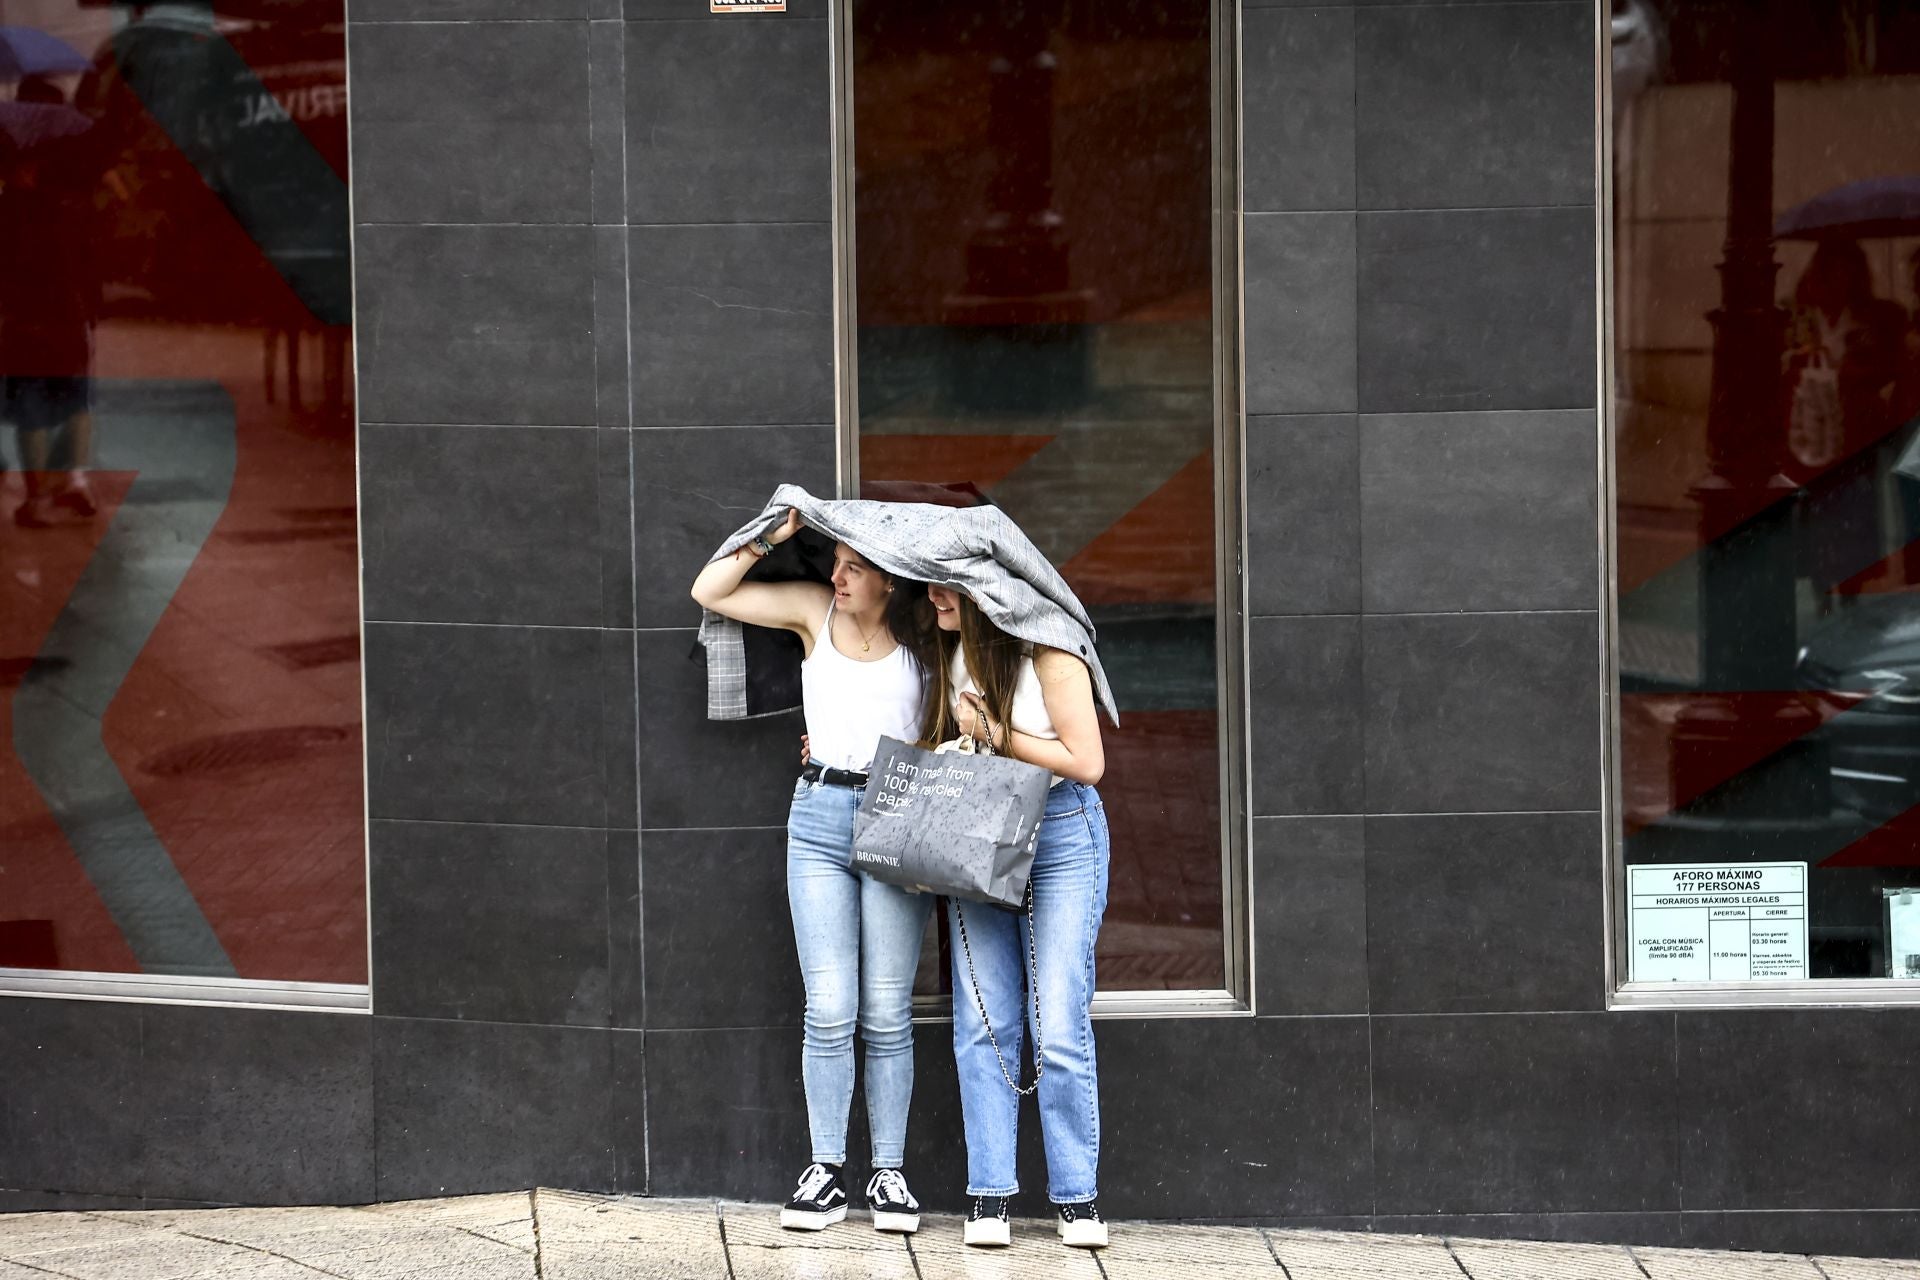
<point x="1903" y="933"/>
<point x="1717" y="922"/>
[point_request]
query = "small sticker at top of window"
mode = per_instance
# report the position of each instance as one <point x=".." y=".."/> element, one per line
<point x="747" y="6"/>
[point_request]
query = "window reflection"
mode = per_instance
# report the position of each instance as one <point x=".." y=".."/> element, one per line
<point x="1034" y="302"/>
<point x="1767" y="448"/>
<point x="180" y="767"/>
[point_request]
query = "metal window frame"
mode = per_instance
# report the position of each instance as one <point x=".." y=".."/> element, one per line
<point x="1623" y="994"/>
<point x="258" y="993"/>
<point x="1236" y="997"/>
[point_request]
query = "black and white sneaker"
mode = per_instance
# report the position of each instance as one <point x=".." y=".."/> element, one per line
<point x="818" y="1202"/>
<point x="1081" y="1225"/>
<point x="989" y="1224"/>
<point x="894" y="1208"/>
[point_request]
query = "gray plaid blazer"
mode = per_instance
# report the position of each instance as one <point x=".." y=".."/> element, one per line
<point x="975" y="550"/>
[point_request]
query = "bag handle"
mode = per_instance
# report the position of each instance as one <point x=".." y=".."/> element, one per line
<point x="966" y="744"/>
<point x="1033" y="968"/>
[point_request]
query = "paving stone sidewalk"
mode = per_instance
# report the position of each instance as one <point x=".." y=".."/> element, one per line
<point x="564" y="1235"/>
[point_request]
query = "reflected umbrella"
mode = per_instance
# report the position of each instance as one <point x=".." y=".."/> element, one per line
<point x="31" y="124"/>
<point x="25" y="51"/>
<point x="1887" y="206"/>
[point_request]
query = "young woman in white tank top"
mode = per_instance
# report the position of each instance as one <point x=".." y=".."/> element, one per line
<point x="868" y="639"/>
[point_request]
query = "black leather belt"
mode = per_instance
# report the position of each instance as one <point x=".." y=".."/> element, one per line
<point x="832" y="777"/>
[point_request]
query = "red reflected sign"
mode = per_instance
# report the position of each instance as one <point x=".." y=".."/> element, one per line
<point x="180" y="762"/>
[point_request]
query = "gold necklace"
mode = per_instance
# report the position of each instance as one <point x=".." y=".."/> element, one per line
<point x="866" y="641"/>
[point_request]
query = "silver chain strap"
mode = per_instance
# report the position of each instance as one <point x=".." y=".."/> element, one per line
<point x="1033" y="968"/>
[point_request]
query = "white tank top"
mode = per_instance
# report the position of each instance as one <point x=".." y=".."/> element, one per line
<point x="1029" y="714"/>
<point x="851" y="705"/>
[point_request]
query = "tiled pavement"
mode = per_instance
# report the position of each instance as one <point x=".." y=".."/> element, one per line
<point x="563" y="1235"/>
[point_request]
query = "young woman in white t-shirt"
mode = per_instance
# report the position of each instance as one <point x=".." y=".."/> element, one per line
<point x="1035" y="704"/>
<point x="868" y="641"/>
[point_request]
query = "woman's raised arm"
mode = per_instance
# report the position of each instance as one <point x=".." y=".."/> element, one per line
<point x="788" y="606"/>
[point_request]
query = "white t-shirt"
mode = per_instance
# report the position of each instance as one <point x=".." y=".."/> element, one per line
<point x="1029" y="715"/>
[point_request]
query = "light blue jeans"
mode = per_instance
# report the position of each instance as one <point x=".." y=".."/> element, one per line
<point x="1069" y="897"/>
<point x="859" y="944"/>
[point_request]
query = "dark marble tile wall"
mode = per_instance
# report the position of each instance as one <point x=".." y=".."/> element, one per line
<point x="504" y="614"/>
<point x="1422" y="470"/>
<point x="594" y="283"/>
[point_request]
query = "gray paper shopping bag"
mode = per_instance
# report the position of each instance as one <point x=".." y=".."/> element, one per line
<point x="950" y="822"/>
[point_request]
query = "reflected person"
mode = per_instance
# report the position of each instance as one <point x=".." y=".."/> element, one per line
<point x="49" y="302"/>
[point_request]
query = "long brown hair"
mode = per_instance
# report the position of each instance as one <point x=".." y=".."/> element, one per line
<point x="993" y="660"/>
<point x="910" y="619"/>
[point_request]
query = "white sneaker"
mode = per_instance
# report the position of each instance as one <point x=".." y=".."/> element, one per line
<point x="894" y="1208"/>
<point x="989" y="1224"/>
<point x="1081" y="1225"/>
<point x="818" y="1202"/>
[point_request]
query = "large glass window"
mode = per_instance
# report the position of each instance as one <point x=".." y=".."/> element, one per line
<point x="1766" y="420"/>
<point x="180" y="736"/>
<point x="1034" y="299"/>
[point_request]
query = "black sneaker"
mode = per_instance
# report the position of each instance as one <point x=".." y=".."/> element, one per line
<point x="818" y="1202"/>
<point x="1081" y="1225"/>
<point x="894" y="1208"/>
<point x="989" y="1224"/>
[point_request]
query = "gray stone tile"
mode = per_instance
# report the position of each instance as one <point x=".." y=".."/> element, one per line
<point x="716" y="892"/>
<point x="1154" y="1249"/>
<point x="1476" y="309"/>
<point x="496" y="525"/>
<point x="1868" y="1269"/>
<point x="689" y="11"/>
<point x="149" y="1256"/>
<point x="573" y="1218"/>
<point x="255" y="1105"/>
<point x="1300" y="312"/>
<point x="1471" y="511"/>
<point x="682" y="752"/>
<point x="475" y="324"/>
<point x="1290" y="1133"/>
<point x="624" y="949"/>
<point x="727" y="122"/>
<point x="1475" y="105"/>
<point x="464" y="1106"/>
<point x="611" y="353"/>
<point x="470" y="122"/>
<point x="1310" y="915"/>
<point x="1480" y="713"/>
<point x="524" y="939"/>
<point x="1036" y="1254"/>
<point x="607" y="111"/>
<point x="616" y="1261"/>
<point x="724" y="1107"/>
<point x="1834" y="1071"/>
<point x="450" y="11"/>
<point x="1524" y="1113"/>
<point x="1297" y="109"/>
<point x="731" y="324"/>
<point x="694" y="486"/>
<point x="1682" y="1264"/>
<point x="1530" y="1260"/>
<point x="1611" y="1229"/>
<point x="500" y="724"/>
<point x="1330" y="1255"/>
<point x="1444" y="893"/>
<point x="1303" y="515"/>
<point x="1306" y="690"/>
<point x="25" y="1234"/>
<point x="71" y="1114"/>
